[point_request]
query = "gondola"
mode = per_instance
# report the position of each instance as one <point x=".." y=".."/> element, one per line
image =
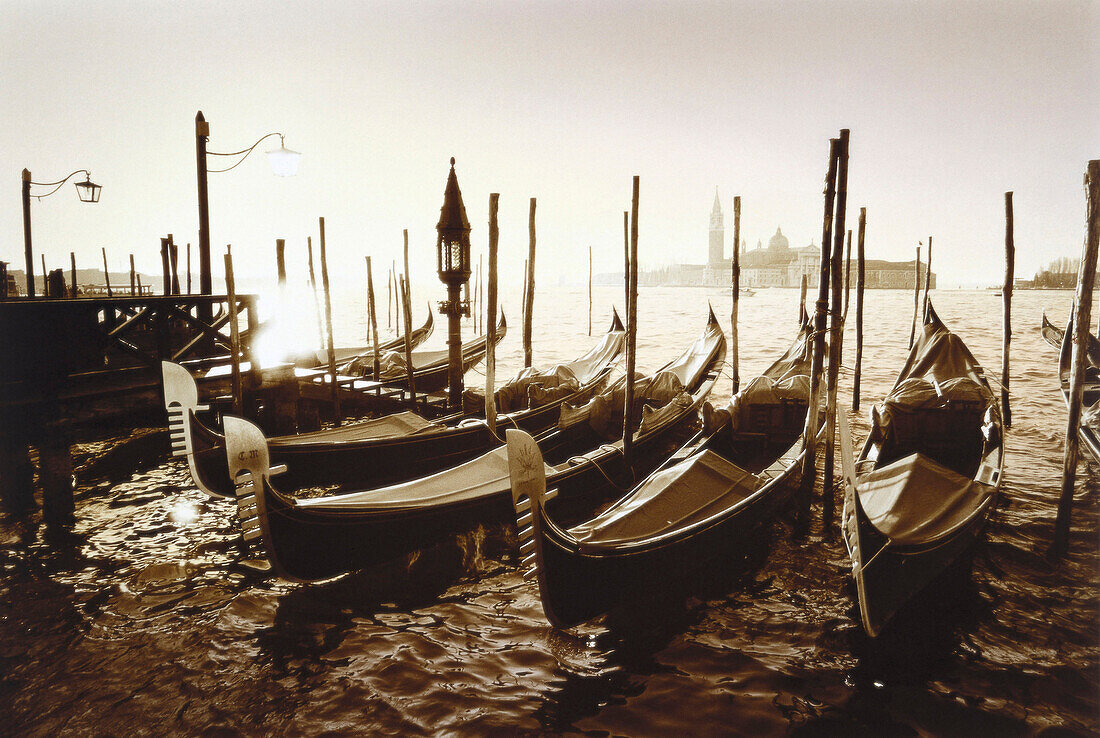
<point x="1089" y="429"/>
<point x="927" y="479"/>
<point x="346" y="356"/>
<point x="729" y="479"/>
<point x="394" y="447"/>
<point x="1054" y="336"/>
<point x="318" y="538"/>
<point x="429" y="367"/>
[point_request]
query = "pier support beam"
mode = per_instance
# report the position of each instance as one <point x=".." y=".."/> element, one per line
<point x="16" y="477"/>
<point x="280" y="401"/>
<point x="55" y="474"/>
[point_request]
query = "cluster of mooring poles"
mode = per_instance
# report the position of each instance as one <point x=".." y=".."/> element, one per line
<point x="828" y="317"/>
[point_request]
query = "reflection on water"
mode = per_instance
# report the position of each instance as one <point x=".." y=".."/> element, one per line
<point x="151" y="619"/>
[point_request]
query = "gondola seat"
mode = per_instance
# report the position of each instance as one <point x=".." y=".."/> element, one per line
<point x="604" y="412"/>
<point x="529" y="388"/>
<point x="771" y="408"/>
<point x="942" y="421"/>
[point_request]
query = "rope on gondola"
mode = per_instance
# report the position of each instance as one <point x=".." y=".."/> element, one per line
<point x="604" y="447"/>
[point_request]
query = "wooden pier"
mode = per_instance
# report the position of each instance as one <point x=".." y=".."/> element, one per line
<point x="91" y="360"/>
<point x="87" y="367"/>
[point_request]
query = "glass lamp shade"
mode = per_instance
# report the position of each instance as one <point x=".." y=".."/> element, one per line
<point x="454" y="258"/>
<point x="284" y="162"/>
<point x="88" y="191"/>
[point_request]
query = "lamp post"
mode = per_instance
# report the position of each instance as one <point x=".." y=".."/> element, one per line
<point x="453" y="247"/>
<point x="87" y="191"/>
<point x="284" y="163"/>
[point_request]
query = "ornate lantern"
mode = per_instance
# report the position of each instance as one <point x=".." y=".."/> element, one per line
<point x="453" y="242"/>
<point x="453" y="252"/>
<point x="88" y="191"/>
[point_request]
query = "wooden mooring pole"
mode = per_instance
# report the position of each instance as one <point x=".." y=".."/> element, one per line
<point x="821" y="309"/>
<point x="802" y="300"/>
<point x="476" y="306"/>
<point x="916" y="299"/>
<point x="589" y="290"/>
<point x="165" y="270"/>
<point x="72" y="265"/>
<point x="489" y="322"/>
<point x="372" y="314"/>
<point x="189" y="267"/>
<point x="523" y="297"/>
<point x="313" y="289"/>
<point x="133" y="277"/>
<point x="106" y="274"/>
<point x="529" y="296"/>
<point x="860" y="286"/>
<point x="396" y="298"/>
<point x="234" y="335"/>
<point x="631" y="329"/>
<point x="626" y="262"/>
<point x="836" y="330"/>
<point x="927" y="277"/>
<point x="328" y="324"/>
<point x="1082" y="319"/>
<point x="55" y="474"/>
<point x="173" y="258"/>
<point x="406" y="308"/>
<point x="1006" y="310"/>
<point x="280" y="262"/>
<point x="847" y="275"/>
<point x="735" y="280"/>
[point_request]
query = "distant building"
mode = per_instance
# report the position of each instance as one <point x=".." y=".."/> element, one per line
<point x="777" y="265"/>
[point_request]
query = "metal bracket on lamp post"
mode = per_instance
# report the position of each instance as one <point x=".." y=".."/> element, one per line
<point x="455" y="307"/>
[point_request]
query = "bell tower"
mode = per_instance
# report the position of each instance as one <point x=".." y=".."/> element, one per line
<point x="717" y="233"/>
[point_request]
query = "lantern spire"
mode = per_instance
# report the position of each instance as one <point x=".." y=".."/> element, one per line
<point x="452" y="216"/>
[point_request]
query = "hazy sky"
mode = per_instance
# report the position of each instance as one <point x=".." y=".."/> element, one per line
<point x="949" y="104"/>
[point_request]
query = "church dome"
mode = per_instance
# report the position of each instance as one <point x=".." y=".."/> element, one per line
<point x="778" y="242"/>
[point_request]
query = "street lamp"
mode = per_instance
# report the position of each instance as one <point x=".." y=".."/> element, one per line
<point x="453" y="252"/>
<point x="284" y="163"/>
<point x="87" y="191"/>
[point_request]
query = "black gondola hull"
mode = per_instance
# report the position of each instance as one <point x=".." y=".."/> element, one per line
<point x="309" y="545"/>
<point x="576" y="587"/>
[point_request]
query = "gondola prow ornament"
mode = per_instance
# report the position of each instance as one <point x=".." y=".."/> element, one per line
<point x="453" y="251"/>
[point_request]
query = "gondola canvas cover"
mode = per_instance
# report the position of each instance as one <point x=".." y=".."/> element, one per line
<point x="916" y="500"/>
<point x="677" y="497"/>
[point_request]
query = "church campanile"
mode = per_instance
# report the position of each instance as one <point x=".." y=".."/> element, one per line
<point x="717" y="233"/>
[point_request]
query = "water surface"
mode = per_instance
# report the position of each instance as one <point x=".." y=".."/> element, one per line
<point x="151" y="621"/>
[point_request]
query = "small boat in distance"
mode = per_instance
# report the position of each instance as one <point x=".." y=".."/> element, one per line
<point x="928" y="478"/>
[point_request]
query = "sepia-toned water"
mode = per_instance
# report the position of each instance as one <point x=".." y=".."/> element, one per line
<point x="150" y="623"/>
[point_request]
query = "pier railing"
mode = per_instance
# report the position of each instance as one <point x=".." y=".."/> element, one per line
<point x="54" y="341"/>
